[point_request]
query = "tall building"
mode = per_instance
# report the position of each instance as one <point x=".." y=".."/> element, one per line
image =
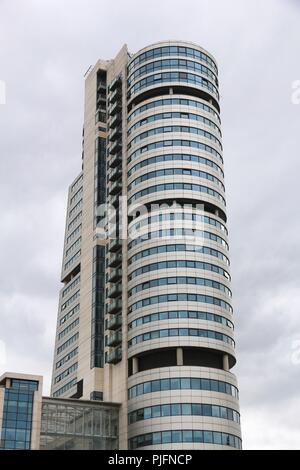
<point x="145" y="316"/>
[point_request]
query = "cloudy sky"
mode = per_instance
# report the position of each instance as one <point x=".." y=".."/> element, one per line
<point x="45" y="48"/>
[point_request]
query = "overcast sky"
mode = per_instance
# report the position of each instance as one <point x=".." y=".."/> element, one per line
<point x="45" y="48"/>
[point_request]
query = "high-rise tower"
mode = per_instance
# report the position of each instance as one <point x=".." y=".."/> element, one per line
<point x="145" y="314"/>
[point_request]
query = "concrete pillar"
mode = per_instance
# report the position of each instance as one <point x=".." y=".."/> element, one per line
<point x="170" y="91"/>
<point x="226" y="362"/>
<point x="135" y="365"/>
<point x="179" y="356"/>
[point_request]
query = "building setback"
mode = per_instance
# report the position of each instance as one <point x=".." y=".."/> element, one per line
<point x="145" y="315"/>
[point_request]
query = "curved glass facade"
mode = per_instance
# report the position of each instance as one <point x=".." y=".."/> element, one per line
<point x="184" y="409"/>
<point x="169" y="333"/>
<point x="174" y="115"/>
<point x="173" y="89"/>
<point x="185" y="436"/>
<point x="174" y="314"/>
<point x="183" y="383"/>
<point x="174" y="102"/>
<point x="175" y="157"/>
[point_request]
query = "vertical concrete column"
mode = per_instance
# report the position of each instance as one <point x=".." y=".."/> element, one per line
<point x="170" y="91"/>
<point x="226" y="362"/>
<point x="135" y="365"/>
<point x="179" y="356"/>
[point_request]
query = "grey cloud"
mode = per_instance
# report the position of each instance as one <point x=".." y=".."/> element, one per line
<point x="46" y="48"/>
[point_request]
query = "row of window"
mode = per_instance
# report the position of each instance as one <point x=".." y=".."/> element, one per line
<point x="172" y="216"/>
<point x="174" y="157"/>
<point x="66" y="372"/>
<point x="76" y="195"/>
<point x="70" y="314"/>
<point x="180" y="314"/>
<point x="67" y="358"/>
<point x="178" y="232"/>
<point x="183" y="383"/>
<point x="75" y="220"/>
<point x="70" y="300"/>
<point x="177" y="186"/>
<point x="174" y="264"/>
<point x="172" y="64"/>
<point x="192" y="436"/>
<point x="199" y="249"/>
<point x="73" y="246"/>
<point x="183" y="409"/>
<point x="175" y="115"/>
<point x="72" y="260"/>
<point x="163" y="298"/>
<point x="169" y="51"/>
<point x="74" y="233"/>
<point x="76" y="183"/>
<point x="75" y="208"/>
<point x="18" y="401"/>
<point x="23" y="385"/>
<point x="171" y="332"/>
<point x="174" y="102"/>
<point x="179" y="280"/>
<point x="184" y="77"/>
<point x="17" y="411"/>
<point x="67" y="343"/>
<point x="17" y="423"/>
<point x="65" y="388"/>
<point x="168" y="129"/>
<point x="175" y="143"/>
<point x="68" y="329"/>
<point x="176" y="171"/>
<point x="71" y="286"/>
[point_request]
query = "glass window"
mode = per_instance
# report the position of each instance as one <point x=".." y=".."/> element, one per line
<point x="208" y="437"/>
<point x="214" y="385"/>
<point x="186" y="383"/>
<point x="176" y="436"/>
<point x="156" y="438"/>
<point x="175" y="383"/>
<point x="205" y="384"/>
<point x="165" y="410"/>
<point x="215" y="411"/>
<point x="198" y="436"/>
<point x="176" y="409"/>
<point x="196" y="409"/>
<point x="165" y="384"/>
<point x="186" y="409"/>
<point x="166" y="437"/>
<point x="155" y="385"/>
<point x="206" y="410"/>
<point x="187" y="436"/>
<point x="217" y="438"/>
<point x="156" y="412"/>
<point x="196" y="384"/>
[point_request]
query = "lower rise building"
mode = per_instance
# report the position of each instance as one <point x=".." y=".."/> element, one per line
<point x="30" y="421"/>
